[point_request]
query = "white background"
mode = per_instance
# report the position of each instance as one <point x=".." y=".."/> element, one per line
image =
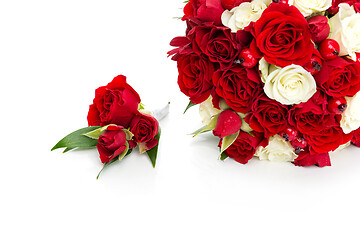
<point x="53" y="55"/>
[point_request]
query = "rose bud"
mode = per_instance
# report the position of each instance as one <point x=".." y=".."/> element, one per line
<point x="145" y="127"/>
<point x="227" y="124"/>
<point x="319" y="28"/>
<point x="112" y="143"/>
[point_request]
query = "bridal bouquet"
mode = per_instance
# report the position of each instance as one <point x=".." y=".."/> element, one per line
<point x="117" y="124"/>
<point x="278" y="79"/>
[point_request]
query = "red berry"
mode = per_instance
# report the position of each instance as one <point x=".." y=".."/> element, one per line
<point x="281" y="1"/>
<point x="314" y="66"/>
<point x="230" y="4"/>
<point x="247" y="59"/>
<point x="299" y="142"/>
<point x="337" y="105"/>
<point x="289" y="134"/>
<point x="329" y="49"/>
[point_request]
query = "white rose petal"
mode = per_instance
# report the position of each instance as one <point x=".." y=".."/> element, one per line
<point x="278" y="150"/>
<point x="308" y="7"/>
<point x="345" y="27"/>
<point x="350" y="120"/>
<point x="289" y="85"/>
<point x="240" y="17"/>
<point x="207" y="111"/>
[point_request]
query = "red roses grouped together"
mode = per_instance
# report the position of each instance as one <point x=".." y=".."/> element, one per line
<point x="117" y="124"/>
<point x="215" y="62"/>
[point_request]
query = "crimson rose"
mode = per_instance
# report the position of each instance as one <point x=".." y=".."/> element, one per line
<point x="326" y="140"/>
<point x="356" y="138"/>
<point x="115" y="103"/>
<point x="339" y="77"/>
<point x="218" y="43"/>
<point x="244" y="148"/>
<point x="312" y="116"/>
<point x="238" y="86"/>
<point x="321" y="160"/>
<point x="204" y="10"/>
<point x="111" y="143"/>
<point x="145" y="127"/>
<point x="195" y="77"/>
<point x="267" y="115"/>
<point x="282" y="35"/>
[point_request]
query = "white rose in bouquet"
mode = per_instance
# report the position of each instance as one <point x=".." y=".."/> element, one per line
<point x="308" y="7"/>
<point x="278" y="150"/>
<point x="207" y="111"/>
<point x="289" y="85"/>
<point x="350" y="120"/>
<point x="345" y="27"/>
<point x="240" y="17"/>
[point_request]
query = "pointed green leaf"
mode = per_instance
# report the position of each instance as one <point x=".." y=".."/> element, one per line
<point x="223" y="156"/>
<point x="123" y="154"/>
<point x="95" y="134"/>
<point x="77" y="140"/>
<point x="112" y="161"/>
<point x="141" y="106"/>
<point x="67" y="149"/>
<point x="152" y="153"/>
<point x="227" y="141"/>
<point x="189" y="106"/>
<point x="207" y="128"/>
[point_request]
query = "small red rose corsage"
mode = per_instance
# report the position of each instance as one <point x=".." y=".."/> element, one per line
<point x="117" y="123"/>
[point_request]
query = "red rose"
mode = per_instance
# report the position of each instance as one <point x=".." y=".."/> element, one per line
<point x="115" y="103"/>
<point x="339" y="77"/>
<point x="218" y="43"/>
<point x="230" y="4"/>
<point x="335" y="5"/>
<point x="319" y="28"/>
<point x="312" y="116"/>
<point x="195" y="77"/>
<point x="145" y="127"/>
<point x="282" y="35"/>
<point x="267" y="115"/>
<point x="111" y="143"/>
<point x="227" y="124"/>
<point x="321" y="160"/>
<point x="326" y="140"/>
<point x="204" y="11"/>
<point x="244" y="148"/>
<point x="238" y="86"/>
<point x="356" y="138"/>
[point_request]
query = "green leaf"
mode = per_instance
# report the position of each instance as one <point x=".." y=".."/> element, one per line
<point x="228" y="140"/>
<point x="141" y="106"/>
<point x="152" y="153"/>
<point x="95" y="134"/>
<point x="207" y="128"/>
<point x="189" y="106"/>
<point x="112" y="161"/>
<point x="77" y="140"/>
<point x="223" y="156"/>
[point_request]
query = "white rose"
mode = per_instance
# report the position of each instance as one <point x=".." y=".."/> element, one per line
<point x="207" y="111"/>
<point x="308" y="7"/>
<point x="266" y="68"/>
<point x="345" y="27"/>
<point x="350" y="120"/>
<point x="290" y="85"/>
<point x="278" y="150"/>
<point x="240" y="17"/>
